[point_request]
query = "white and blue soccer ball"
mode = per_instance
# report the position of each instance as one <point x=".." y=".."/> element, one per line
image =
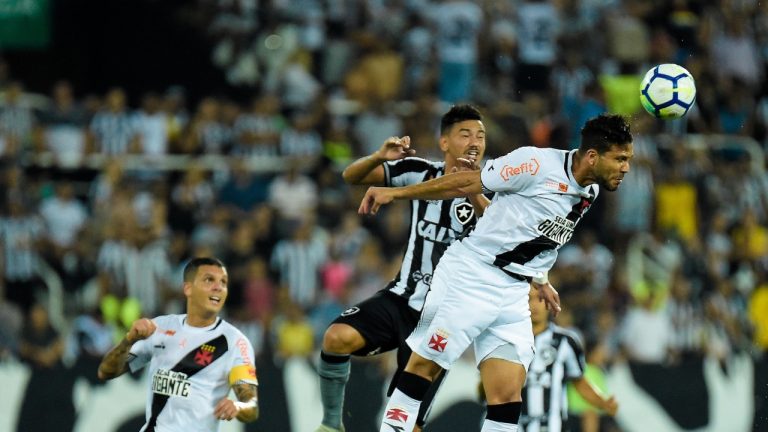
<point x="667" y="91"/>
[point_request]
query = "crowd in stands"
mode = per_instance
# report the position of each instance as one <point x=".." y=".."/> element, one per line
<point x="673" y="264"/>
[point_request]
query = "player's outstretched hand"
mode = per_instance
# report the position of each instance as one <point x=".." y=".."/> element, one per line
<point x="140" y="329"/>
<point x="548" y="294"/>
<point x="395" y="148"/>
<point x="225" y="409"/>
<point x="374" y="198"/>
<point x="611" y="406"/>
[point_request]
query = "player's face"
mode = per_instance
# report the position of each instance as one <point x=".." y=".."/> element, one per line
<point x="612" y="165"/>
<point x="538" y="308"/>
<point x="466" y="140"/>
<point x="207" y="292"/>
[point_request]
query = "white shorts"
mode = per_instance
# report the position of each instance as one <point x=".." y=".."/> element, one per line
<point x="471" y="301"/>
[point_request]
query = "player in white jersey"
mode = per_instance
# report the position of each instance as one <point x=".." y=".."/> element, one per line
<point x="479" y="291"/>
<point x="382" y="322"/>
<point x="194" y="359"/>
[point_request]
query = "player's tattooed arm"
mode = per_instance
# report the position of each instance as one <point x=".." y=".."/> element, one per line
<point x="247" y="401"/>
<point x="115" y="363"/>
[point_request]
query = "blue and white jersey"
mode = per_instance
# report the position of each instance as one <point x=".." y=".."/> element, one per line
<point x="434" y="226"/>
<point x="533" y="213"/>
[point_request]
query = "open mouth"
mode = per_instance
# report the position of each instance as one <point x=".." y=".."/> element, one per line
<point x="472" y="155"/>
<point x="215" y="300"/>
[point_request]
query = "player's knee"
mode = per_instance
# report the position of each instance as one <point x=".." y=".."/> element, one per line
<point x="342" y="339"/>
<point x="502" y="393"/>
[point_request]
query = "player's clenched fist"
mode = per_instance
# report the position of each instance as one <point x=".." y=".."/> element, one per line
<point x="374" y="198"/>
<point x="140" y="329"/>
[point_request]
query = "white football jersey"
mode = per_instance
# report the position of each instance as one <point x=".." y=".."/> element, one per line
<point x="535" y="210"/>
<point x="191" y="369"/>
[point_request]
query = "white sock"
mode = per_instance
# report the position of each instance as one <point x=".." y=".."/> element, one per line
<point x="494" y="426"/>
<point x="400" y="414"/>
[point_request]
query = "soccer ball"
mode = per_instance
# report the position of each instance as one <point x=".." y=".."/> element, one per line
<point x="667" y="91"/>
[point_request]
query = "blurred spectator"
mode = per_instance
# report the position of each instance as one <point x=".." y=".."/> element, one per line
<point x="298" y="260"/>
<point x="646" y="333"/>
<point x="538" y="30"/>
<point x="42" y="348"/>
<point x="65" y="126"/>
<point x="295" y="337"/>
<point x="300" y="138"/>
<point x="191" y="199"/>
<point x="64" y="215"/>
<point x="151" y="126"/>
<point x="113" y="130"/>
<point x="292" y="194"/>
<point x="17" y="121"/>
<point x="458" y="24"/>
<point x="243" y="190"/>
<point x="750" y="239"/>
<point x="257" y="132"/>
<point x="22" y="235"/>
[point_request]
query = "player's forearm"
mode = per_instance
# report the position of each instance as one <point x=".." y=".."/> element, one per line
<point x="247" y="402"/>
<point x="358" y="170"/>
<point x="115" y="363"/>
<point x="463" y="183"/>
<point x="590" y="394"/>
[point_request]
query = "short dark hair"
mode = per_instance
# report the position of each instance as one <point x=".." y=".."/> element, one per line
<point x="457" y="114"/>
<point x="190" y="270"/>
<point x="604" y="131"/>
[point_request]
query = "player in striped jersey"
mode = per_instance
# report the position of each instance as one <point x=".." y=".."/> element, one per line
<point x="194" y="359"/>
<point x="479" y="291"/>
<point x="559" y="358"/>
<point x="382" y="322"/>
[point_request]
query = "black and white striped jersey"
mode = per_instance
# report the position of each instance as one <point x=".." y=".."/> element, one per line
<point x="559" y="358"/>
<point x="434" y="226"/>
<point x="535" y="210"/>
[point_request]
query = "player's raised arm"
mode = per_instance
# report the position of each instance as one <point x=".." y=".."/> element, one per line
<point x="453" y="185"/>
<point x="115" y="363"/>
<point x="368" y="170"/>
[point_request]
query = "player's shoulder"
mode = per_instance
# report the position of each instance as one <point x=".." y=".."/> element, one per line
<point x="571" y="334"/>
<point x="231" y="331"/>
<point x="415" y="164"/>
<point x="169" y="321"/>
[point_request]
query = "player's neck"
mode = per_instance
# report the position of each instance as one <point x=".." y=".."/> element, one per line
<point x="580" y="170"/>
<point x="199" y="320"/>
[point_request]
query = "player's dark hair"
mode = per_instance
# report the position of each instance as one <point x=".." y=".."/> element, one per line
<point x="190" y="270"/>
<point x="604" y="131"/>
<point x="457" y="114"/>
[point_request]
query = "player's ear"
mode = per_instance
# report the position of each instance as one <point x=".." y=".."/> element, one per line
<point x="187" y="288"/>
<point x="443" y="143"/>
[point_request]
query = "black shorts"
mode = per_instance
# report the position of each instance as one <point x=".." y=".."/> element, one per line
<point x="385" y="321"/>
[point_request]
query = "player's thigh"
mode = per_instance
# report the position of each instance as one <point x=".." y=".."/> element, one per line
<point x="458" y="308"/>
<point x="502" y="380"/>
<point x="378" y="320"/>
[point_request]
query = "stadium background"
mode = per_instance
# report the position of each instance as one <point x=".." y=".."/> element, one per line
<point x="134" y="134"/>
